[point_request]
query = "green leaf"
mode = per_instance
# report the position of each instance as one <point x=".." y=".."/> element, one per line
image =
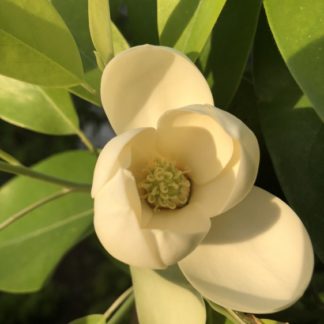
<point x="174" y="301"/>
<point x="36" y="46"/>
<point x="120" y="43"/>
<point x="298" y="28"/>
<point x="31" y="248"/>
<point x="294" y="135"/>
<point x="100" y="31"/>
<point x="92" y="77"/>
<point x="226" y="52"/>
<point x="137" y="20"/>
<point x="187" y="24"/>
<point x="78" y="23"/>
<point x="44" y="110"/>
<point x="90" y="319"/>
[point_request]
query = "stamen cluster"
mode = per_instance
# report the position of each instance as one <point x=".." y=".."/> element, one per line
<point x="165" y="186"/>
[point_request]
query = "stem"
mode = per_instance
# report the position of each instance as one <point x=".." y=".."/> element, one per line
<point x="21" y="170"/>
<point x="9" y="158"/>
<point x="33" y="206"/>
<point x="236" y="317"/>
<point x="85" y="140"/>
<point x="228" y="313"/>
<point x="120" y="300"/>
<point x="124" y="308"/>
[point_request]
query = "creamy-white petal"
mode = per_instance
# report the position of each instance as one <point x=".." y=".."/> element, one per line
<point x="116" y="209"/>
<point x="141" y="83"/>
<point x="129" y="149"/>
<point x="177" y="232"/>
<point x="257" y="257"/>
<point x="130" y="232"/>
<point x="196" y="141"/>
<point x="238" y="177"/>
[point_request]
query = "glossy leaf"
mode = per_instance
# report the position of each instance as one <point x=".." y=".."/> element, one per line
<point x="294" y="135"/>
<point x="90" y="319"/>
<point x="31" y="248"/>
<point x="92" y="77"/>
<point x="187" y="24"/>
<point x="137" y="20"/>
<point x="100" y="31"/>
<point x="226" y="52"/>
<point x="78" y="23"/>
<point x="32" y="36"/>
<point x="298" y="28"/>
<point x="174" y="302"/>
<point x="119" y="41"/>
<point x="44" y="110"/>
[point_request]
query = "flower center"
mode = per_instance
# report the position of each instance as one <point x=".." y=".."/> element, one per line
<point x="165" y="186"/>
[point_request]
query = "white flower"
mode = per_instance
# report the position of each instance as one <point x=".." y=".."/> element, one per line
<point x="176" y="186"/>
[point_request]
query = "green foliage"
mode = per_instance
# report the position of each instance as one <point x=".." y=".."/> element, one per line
<point x="44" y="110"/>
<point x="174" y="302"/>
<point x="294" y="135"/>
<point x="100" y="31"/>
<point x="92" y="77"/>
<point x="78" y="24"/>
<point x="136" y="19"/>
<point x="31" y="248"/>
<point x="50" y="48"/>
<point x="226" y="52"/>
<point x="298" y="28"/>
<point x="32" y="36"/>
<point x="186" y="25"/>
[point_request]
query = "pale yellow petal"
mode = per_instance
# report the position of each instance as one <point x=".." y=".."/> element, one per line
<point x="238" y="177"/>
<point x="141" y="83"/>
<point x="165" y="297"/>
<point x="177" y="232"/>
<point x="130" y="232"/>
<point x="116" y="209"/>
<point x="196" y="141"/>
<point x="257" y="257"/>
<point x="128" y="150"/>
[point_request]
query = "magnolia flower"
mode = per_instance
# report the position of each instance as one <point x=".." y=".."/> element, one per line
<point x="176" y="186"/>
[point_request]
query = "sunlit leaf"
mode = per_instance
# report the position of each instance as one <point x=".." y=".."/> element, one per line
<point x="78" y="23"/>
<point x="100" y="31"/>
<point x="294" y="135"/>
<point x="174" y="302"/>
<point x="298" y="28"/>
<point x="119" y="41"/>
<point x="226" y="52"/>
<point x="187" y="24"/>
<point x="31" y="248"/>
<point x="44" y="110"/>
<point x="36" y="46"/>
<point x="93" y="79"/>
